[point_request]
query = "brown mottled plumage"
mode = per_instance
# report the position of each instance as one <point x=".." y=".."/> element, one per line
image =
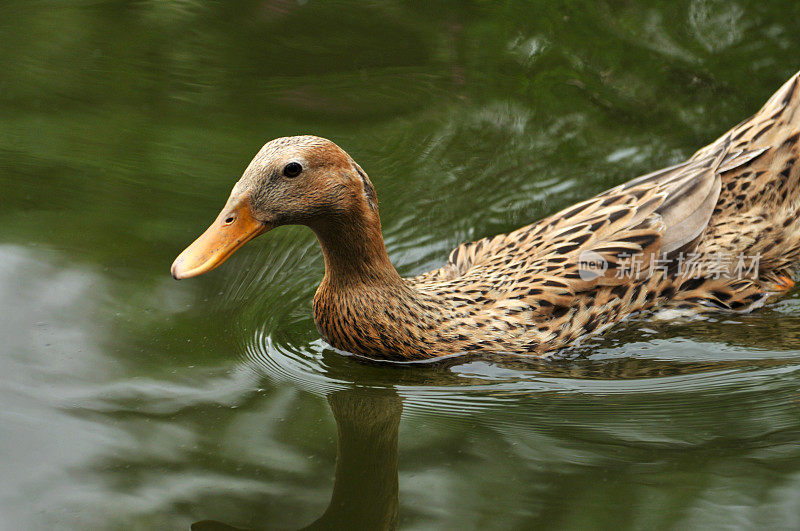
<point x="530" y="291"/>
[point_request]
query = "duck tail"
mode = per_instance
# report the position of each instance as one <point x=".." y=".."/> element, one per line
<point x="784" y="104"/>
<point x="775" y="125"/>
<point x="760" y="178"/>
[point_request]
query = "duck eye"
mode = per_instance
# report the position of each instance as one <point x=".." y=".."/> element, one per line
<point x="292" y="169"/>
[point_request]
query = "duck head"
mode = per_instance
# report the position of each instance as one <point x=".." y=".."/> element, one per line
<point x="299" y="180"/>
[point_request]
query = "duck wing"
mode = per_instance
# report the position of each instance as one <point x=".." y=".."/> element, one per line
<point x="655" y="216"/>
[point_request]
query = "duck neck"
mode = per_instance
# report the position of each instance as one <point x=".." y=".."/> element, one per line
<point x="354" y="251"/>
<point x="363" y="305"/>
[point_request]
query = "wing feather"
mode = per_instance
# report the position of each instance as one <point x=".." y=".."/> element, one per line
<point x="662" y="212"/>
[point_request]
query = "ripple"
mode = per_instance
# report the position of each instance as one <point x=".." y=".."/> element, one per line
<point x="660" y="384"/>
<point x="305" y="369"/>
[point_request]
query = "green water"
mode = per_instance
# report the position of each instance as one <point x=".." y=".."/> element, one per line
<point x="131" y="401"/>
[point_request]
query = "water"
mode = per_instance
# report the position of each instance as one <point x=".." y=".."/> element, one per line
<point x="129" y="400"/>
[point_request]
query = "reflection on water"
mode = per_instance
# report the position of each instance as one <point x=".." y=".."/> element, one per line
<point x="365" y="485"/>
<point x="131" y="401"/>
<point x="365" y="489"/>
<point x="563" y="424"/>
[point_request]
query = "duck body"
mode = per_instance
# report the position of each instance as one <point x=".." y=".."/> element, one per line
<point x="718" y="231"/>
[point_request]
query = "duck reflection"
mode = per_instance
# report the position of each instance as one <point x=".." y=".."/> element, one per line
<point x="365" y="492"/>
<point x="365" y="489"/>
<point x="367" y="421"/>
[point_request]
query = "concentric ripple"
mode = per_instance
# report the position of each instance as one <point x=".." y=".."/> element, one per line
<point x="661" y="376"/>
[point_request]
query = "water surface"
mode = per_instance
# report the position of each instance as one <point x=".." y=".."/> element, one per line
<point x="129" y="400"/>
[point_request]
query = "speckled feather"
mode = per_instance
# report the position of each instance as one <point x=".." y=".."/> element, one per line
<point x="523" y="292"/>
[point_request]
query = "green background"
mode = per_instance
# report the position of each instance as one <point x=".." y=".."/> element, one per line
<point x="129" y="400"/>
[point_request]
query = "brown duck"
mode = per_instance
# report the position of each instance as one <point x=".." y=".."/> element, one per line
<point x="718" y="231"/>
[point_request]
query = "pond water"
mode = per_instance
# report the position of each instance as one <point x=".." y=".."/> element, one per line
<point x="129" y="400"/>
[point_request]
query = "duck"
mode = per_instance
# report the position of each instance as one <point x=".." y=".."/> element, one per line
<point x="717" y="232"/>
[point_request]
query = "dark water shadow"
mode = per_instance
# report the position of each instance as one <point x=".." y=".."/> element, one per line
<point x="697" y="373"/>
<point x="365" y="489"/>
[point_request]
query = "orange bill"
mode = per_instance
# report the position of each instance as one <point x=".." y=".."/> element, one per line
<point x="234" y="227"/>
